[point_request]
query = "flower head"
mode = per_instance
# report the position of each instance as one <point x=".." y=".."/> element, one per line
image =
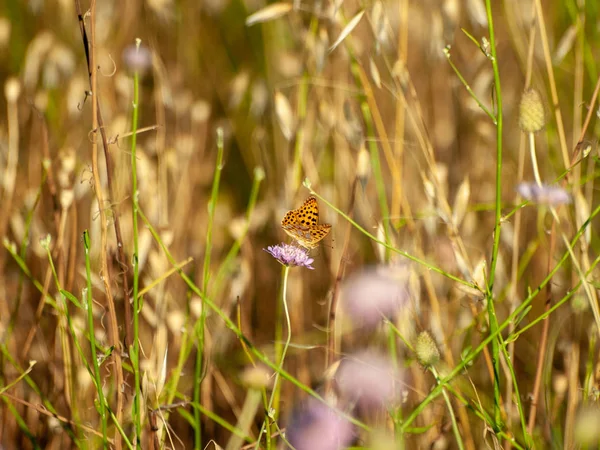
<point x="545" y="194"/>
<point x="137" y="59"/>
<point x="290" y="255"/>
<point x="532" y="116"/>
<point x="586" y="430"/>
<point x="375" y="293"/>
<point x="368" y="378"/>
<point x="317" y="427"/>
<point x="426" y="350"/>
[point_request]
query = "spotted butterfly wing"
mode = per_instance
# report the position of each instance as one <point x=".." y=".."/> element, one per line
<point x="302" y="224"/>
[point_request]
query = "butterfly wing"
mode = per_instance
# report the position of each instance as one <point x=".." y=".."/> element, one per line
<point x="306" y="216"/>
<point x="302" y="224"/>
<point x="319" y="232"/>
<point x="308" y="237"/>
<point x="289" y="219"/>
<point x="308" y="213"/>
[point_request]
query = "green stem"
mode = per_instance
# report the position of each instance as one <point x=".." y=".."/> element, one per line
<point x="493" y="335"/>
<point x="455" y="429"/>
<point x="273" y="407"/>
<point x="92" y="337"/>
<point x="466" y="85"/>
<point x="498" y="218"/>
<point x="534" y="165"/>
<point x="393" y="249"/>
<point x="200" y="371"/>
<point x="238" y="333"/>
<point x="135" y="351"/>
<point x="378" y="175"/>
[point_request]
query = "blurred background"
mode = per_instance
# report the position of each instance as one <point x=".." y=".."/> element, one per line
<point x="365" y="100"/>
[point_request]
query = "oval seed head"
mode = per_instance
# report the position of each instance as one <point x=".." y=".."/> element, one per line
<point x="586" y="432"/>
<point x="257" y="377"/>
<point x="426" y="350"/>
<point x="532" y="117"/>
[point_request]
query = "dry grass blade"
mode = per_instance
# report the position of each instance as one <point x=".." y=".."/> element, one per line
<point x="268" y="13"/>
<point x="396" y="140"/>
<point x="285" y="116"/>
<point x="565" y="45"/>
<point x="347" y="30"/>
<point x="461" y="202"/>
<point x="375" y="73"/>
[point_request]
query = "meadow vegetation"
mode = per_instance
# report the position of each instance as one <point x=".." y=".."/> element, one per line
<point x="151" y="297"/>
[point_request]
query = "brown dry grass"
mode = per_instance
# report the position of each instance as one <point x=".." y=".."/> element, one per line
<point x="382" y="113"/>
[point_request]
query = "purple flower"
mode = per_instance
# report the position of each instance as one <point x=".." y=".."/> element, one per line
<point x="318" y="427"/>
<point x="290" y="255"/>
<point x="368" y="378"/>
<point x="545" y="194"/>
<point x="137" y="59"/>
<point x="375" y="293"/>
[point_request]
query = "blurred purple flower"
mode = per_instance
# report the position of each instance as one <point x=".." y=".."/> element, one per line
<point x="290" y="255"/>
<point x="545" y="194"/>
<point x="318" y="427"/>
<point x="368" y="378"/>
<point x="137" y="59"/>
<point x="375" y="293"/>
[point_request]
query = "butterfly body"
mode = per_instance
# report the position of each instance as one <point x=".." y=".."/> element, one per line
<point x="302" y="224"/>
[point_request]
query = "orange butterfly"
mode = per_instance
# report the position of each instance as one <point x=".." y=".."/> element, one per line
<point x="303" y="224"/>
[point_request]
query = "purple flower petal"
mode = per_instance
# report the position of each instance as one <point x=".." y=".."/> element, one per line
<point x="545" y="194"/>
<point x="317" y="427"/>
<point x="368" y="378"/>
<point x="375" y="294"/>
<point x="290" y="255"/>
<point x="137" y="59"/>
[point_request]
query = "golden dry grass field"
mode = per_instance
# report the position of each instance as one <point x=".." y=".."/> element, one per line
<point x="305" y="224"/>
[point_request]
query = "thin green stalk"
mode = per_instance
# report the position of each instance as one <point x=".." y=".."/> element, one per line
<point x="493" y="335"/>
<point x="120" y="429"/>
<point x="513" y="376"/>
<point x="12" y="249"/>
<point x="392" y="248"/>
<point x="199" y="366"/>
<point x="23" y="252"/>
<point x="171" y="387"/>
<point x="92" y="337"/>
<point x="378" y="175"/>
<point x="534" y="164"/>
<point x="455" y="429"/>
<point x="589" y="366"/>
<point x="273" y="407"/>
<point x="94" y="374"/>
<point x="22" y="424"/>
<point x="232" y="326"/>
<point x="34" y="387"/>
<point x="498" y="217"/>
<point x="225" y="268"/>
<point x="63" y="316"/>
<point x="187" y="343"/>
<point x="276" y="397"/>
<point x="135" y="351"/>
<point x="493" y="321"/>
<point x="396" y="414"/>
<point x="18" y="379"/>
<point x="48" y="299"/>
<point x="464" y="82"/>
<point x="481" y="414"/>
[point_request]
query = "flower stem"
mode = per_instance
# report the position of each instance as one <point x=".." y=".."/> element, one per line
<point x="135" y="349"/>
<point x="273" y="406"/>
<point x="534" y="165"/>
